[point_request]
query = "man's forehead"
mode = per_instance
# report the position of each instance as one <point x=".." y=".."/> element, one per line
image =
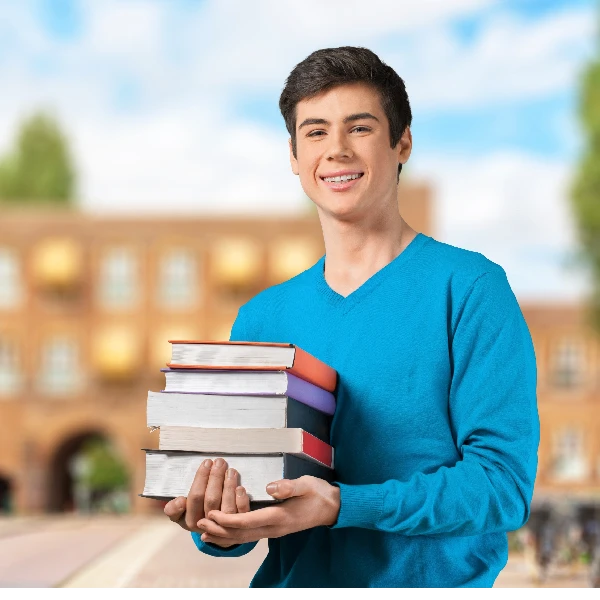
<point x="342" y="100"/>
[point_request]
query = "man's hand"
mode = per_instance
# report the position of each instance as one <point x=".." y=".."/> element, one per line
<point x="309" y="502"/>
<point x="215" y="487"/>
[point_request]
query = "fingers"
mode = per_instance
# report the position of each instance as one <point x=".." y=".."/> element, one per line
<point x="240" y="536"/>
<point x="242" y="501"/>
<point x="284" y="488"/>
<point x="212" y="528"/>
<point x="214" y="487"/>
<point x="263" y="517"/>
<point x="174" y="509"/>
<point x="196" y="495"/>
<point x="228" y="503"/>
<point x="215" y="533"/>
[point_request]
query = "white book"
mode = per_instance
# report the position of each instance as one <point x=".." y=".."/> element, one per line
<point x="215" y="410"/>
<point x="232" y="354"/>
<point x="171" y="474"/>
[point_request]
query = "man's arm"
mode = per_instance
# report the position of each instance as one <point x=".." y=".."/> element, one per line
<point x="494" y="420"/>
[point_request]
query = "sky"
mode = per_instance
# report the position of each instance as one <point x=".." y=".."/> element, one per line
<point x="172" y="108"/>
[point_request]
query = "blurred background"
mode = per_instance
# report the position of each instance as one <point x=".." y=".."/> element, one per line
<point x="145" y="194"/>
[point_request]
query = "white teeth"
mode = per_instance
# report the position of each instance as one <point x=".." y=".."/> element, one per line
<point x="341" y="178"/>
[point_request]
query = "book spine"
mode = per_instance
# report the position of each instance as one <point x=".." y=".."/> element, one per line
<point x="310" y="394"/>
<point x="308" y="367"/>
<point x="302" y="416"/>
<point x="294" y="467"/>
<point x="317" y="449"/>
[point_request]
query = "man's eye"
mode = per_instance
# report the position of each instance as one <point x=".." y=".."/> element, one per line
<point x="316" y="133"/>
<point x="361" y="128"/>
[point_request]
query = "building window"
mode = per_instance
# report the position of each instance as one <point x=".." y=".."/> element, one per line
<point x="119" y="279"/>
<point x="569" y="364"/>
<point x="569" y="461"/>
<point x="290" y="256"/>
<point x="177" y="279"/>
<point x="10" y="280"/>
<point x="10" y="376"/>
<point x="60" y="369"/>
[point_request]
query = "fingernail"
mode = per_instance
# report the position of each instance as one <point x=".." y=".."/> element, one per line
<point x="203" y="537"/>
<point x="207" y="464"/>
<point x="240" y="492"/>
<point x="231" y="473"/>
<point x="272" y="488"/>
<point x="219" y="462"/>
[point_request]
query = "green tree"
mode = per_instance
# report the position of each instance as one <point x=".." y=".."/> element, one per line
<point x="39" y="168"/>
<point x="107" y="471"/>
<point x="585" y="197"/>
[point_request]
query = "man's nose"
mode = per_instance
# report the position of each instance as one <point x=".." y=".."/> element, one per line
<point x="339" y="147"/>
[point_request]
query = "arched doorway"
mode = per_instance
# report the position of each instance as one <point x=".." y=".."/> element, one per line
<point x="5" y="495"/>
<point x="88" y="475"/>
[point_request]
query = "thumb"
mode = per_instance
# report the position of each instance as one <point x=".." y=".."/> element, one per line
<point x="284" y="488"/>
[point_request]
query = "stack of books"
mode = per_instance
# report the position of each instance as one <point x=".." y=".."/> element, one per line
<point x="265" y="408"/>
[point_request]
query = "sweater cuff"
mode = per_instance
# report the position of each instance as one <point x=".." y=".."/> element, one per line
<point x="214" y="550"/>
<point x="360" y="506"/>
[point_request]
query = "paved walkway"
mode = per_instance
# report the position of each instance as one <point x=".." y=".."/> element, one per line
<point x="43" y="553"/>
<point x="152" y="552"/>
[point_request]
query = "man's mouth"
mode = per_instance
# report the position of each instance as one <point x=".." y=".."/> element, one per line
<point x="342" y="178"/>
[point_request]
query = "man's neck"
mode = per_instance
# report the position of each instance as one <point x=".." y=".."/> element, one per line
<point x="356" y="251"/>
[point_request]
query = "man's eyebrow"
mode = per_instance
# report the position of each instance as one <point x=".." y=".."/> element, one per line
<point x="313" y="122"/>
<point x="360" y="117"/>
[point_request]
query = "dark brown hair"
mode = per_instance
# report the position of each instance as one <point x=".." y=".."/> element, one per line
<point x="330" y="67"/>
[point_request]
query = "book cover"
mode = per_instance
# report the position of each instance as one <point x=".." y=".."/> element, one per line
<point x="304" y="365"/>
<point x="236" y="382"/>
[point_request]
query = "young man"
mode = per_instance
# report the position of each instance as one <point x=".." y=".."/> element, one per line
<point x="436" y="428"/>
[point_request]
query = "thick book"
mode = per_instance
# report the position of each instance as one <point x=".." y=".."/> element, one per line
<point x="171" y="474"/>
<point x="217" y="410"/>
<point x="246" y="441"/>
<point x="252" y="383"/>
<point x="252" y="355"/>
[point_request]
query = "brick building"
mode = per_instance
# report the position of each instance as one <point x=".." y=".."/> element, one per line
<point x="87" y="305"/>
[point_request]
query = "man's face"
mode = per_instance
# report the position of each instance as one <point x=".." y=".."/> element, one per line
<point x="343" y="154"/>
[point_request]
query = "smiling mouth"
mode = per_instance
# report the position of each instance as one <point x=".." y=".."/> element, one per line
<point x="342" y="178"/>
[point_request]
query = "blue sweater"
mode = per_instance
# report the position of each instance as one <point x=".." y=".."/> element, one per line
<point x="436" y="428"/>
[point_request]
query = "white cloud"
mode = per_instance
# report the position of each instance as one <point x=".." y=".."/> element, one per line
<point x="514" y="209"/>
<point x="509" y="59"/>
<point x="174" y="164"/>
<point x="124" y="28"/>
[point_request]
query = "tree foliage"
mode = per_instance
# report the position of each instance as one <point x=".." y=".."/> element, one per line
<point x="585" y="197"/>
<point x="39" y="168"/>
<point x="106" y="471"/>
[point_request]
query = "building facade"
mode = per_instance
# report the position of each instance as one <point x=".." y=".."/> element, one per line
<point x="87" y="305"/>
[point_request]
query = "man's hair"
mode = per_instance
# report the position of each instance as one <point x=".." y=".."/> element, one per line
<point x="330" y="67"/>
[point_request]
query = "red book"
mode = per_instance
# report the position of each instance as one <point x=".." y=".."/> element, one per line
<point x="219" y="441"/>
<point x="256" y="356"/>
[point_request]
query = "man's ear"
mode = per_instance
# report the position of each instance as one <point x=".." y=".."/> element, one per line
<point x="293" y="160"/>
<point x="404" y="146"/>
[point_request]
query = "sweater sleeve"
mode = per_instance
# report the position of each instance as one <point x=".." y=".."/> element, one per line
<point x="238" y="333"/>
<point x="494" y="421"/>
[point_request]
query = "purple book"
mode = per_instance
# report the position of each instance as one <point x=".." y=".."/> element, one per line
<point x="241" y="382"/>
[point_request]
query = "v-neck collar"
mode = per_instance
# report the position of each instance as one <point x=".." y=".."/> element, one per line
<point x="347" y="302"/>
